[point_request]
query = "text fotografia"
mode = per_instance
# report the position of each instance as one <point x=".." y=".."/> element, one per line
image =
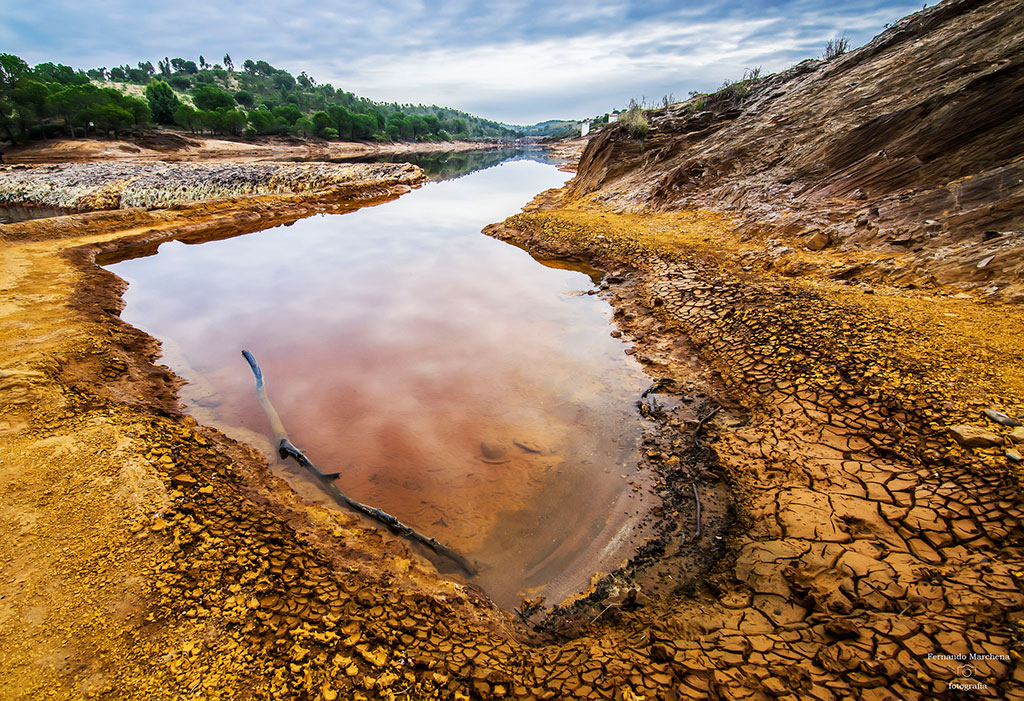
<point x="973" y="686"/>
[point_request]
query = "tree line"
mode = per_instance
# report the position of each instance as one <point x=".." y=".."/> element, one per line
<point x="257" y="99"/>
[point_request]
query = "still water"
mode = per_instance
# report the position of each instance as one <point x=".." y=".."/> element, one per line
<point x="451" y="379"/>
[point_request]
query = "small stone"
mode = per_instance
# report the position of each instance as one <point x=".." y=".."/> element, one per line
<point x="818" y="241"/>
<point x="1014" y="456"/>
<point x="183" y="478"/>
<point x="492" y="452"/>
<point x="1001" y="418"/>
<point x="983" y="263"/>
<point x="842" y="629"/>
<point x="528" y="446"/>
<point x="1017" y="435"/>
<point x="974" y="437"/>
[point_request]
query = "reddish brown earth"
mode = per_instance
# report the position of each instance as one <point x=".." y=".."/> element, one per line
<point x="171" y="145"/>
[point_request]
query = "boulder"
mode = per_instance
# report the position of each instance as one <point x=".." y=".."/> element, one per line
<point x="974" y="437"/>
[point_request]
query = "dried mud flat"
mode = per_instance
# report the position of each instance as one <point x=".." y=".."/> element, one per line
<point x="871" y="549"/>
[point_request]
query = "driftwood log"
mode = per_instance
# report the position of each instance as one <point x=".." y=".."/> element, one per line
<point x="287" y="449"/>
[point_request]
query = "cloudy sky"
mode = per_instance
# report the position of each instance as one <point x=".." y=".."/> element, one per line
<point x="516" y="61"/>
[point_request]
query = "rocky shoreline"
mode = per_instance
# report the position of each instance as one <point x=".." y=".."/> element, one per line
<point x="868" y="540"/>
<point x="85" y="187"/>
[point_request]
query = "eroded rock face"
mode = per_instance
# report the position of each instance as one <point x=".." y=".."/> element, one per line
<point x="909" y="146"/>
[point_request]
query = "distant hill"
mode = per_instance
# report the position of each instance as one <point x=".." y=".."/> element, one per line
<point x="253" y="99"/>
<point x="553" y="128"/>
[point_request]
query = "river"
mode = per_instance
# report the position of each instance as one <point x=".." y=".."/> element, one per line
<point x="451" y="379"/>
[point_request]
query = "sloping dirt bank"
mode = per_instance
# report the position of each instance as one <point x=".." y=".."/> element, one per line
<point x="168" y="145"/>
<point x="877" y="550"/>
<point x="904" y="155"/>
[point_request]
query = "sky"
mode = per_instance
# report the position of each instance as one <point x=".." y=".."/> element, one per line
<point x="513" y="61"/>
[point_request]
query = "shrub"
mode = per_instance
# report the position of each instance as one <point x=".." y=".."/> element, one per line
<point x="634" y="120"/>
<point x="836" y="48"/>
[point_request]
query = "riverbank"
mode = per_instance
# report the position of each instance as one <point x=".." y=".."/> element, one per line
<point x="82" y="187"/>
<point x="849" y="274"/>
<point x="170" y="145"/>
<point x="183" y="563"/>
<point x="868" y="535"/>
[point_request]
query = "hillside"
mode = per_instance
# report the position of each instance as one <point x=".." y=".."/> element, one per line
<point x="552" y="128"/>
<point x="51" y="100"/>
<point x="908" y="148"/>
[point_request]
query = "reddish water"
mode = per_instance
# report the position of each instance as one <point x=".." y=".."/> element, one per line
<point x="451" y="379"/>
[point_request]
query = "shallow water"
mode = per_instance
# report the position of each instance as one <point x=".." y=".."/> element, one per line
<point x="445" y="165"/>
<point x="450" y="378"/>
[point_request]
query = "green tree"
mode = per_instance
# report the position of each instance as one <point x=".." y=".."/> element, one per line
<point x="244" y="98"/>
<point x="342" y="119"/>
<point x="262" y="121"/>
<point x="208" y="97"/>
<point x="187" y="117"/>
<point x="111" y="117"/>
<point x="321" y="121"/>
<point x="179" y="82"/>
<point x="29" y="97"/>
<point x="162" y="101"/>
<point x="232" y="121"/>
<point x="289" y="113"/>
<point x="363" y="126"/>
<point x="139" y="109"/>
<point x="283" y="81"/>
<point x="59" y="73"/>
<point x="182" y="66"/>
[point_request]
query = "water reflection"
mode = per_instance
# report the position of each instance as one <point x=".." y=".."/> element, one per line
<point x="451" y="379"/>
<point x="448" y="165"/>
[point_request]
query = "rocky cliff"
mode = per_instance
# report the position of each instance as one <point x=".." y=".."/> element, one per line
<point x="909" y="148"/>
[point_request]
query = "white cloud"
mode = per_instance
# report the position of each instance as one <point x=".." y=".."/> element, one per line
<point x="510" y="60"/>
